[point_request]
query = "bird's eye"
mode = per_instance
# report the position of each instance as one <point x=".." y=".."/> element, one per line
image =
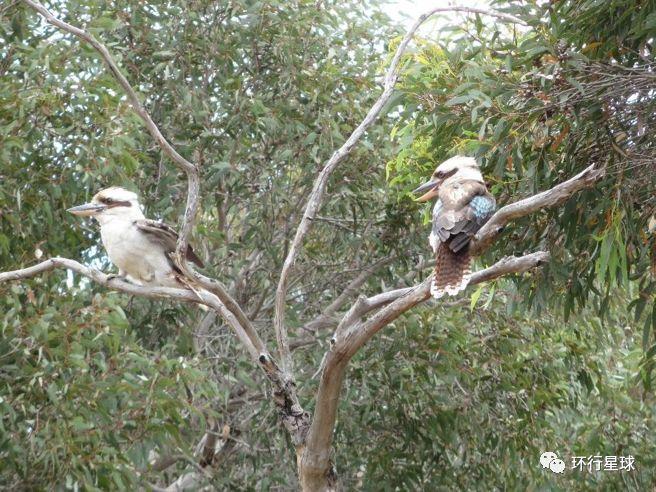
<point x="438" y="174"/>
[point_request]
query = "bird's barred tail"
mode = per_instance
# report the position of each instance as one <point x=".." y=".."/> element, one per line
<point x="452" y="272"/>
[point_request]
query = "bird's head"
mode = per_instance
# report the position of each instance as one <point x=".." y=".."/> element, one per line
<point x="108" y="203"/>
<point x="454" y="169"/>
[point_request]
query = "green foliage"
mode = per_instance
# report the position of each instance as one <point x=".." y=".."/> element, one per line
<point x="536" y="106"/>
<point x="83" y="404"/>
<point x="486" y="393"/>
<point x="259" y="93"/>
<point x="95" y="386"/>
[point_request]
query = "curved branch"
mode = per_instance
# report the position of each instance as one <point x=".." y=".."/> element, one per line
<point x="318" y="190"/>
<point x="315" y="460"/>
<point x="216" y="296"/>
<point x="408" y="298"/>
<point x="193" y="180"/>
<point x="249" y="338"/>
<point x="190" y="169"/>
<point x="99" y="277"/>
<point x="221" y="292"/>
<point x="292" y="415"/>
<point x="546" y="199"/>
<point x="351" y="334"/>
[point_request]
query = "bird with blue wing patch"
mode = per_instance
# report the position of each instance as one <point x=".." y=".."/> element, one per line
<point x="463" y="205"/>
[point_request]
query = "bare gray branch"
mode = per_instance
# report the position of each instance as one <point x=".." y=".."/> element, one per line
<point x="351" y="334"/>
<point x="547" y="199"/>
<point x="193" y="182"/>
<point x="316" y="196"/>
<point x="316" y="458"/>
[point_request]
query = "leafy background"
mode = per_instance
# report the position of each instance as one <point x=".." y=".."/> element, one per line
<point x="94" y="385"/>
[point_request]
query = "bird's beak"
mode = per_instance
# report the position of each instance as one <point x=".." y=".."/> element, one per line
<point x="429" y="190"/>
<point x="87" y="209"/>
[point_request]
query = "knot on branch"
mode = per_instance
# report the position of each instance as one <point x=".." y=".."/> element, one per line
<point x="294" y="418"/>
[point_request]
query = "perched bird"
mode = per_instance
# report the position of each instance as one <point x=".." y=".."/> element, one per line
<point x="142" y="249"/>
<point x="462" y="207"/>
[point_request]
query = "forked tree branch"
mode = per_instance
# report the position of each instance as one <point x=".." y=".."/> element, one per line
<point x="319" y="188"/>
<point x="360" y="333"/>
<point x="217" y="288"/>
<point x="191" y="170"/>
<point x="295" y="420"/>
<point x="316" y="458"/>
<point x="352" y="334"/>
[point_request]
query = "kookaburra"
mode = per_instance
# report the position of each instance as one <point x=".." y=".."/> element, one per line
<point x="142" y="249"/>
<point x="463" y="205"/>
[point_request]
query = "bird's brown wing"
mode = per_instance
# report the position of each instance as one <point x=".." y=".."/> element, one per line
<point x="165" y="236"/>
<point x="456" y="221"/>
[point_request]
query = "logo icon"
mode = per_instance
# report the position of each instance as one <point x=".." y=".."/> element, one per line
<point x="550" y="460"/>
<point x="557" y="466"/>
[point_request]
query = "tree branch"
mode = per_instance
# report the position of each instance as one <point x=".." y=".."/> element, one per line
<point x="351" y="334"/>
<point x="212" y="458"/>
<point x="316" y="196"/>
<point x="217" y="288"/>
<point x="216" y="296"/>
<point x="326" y="318"/>
<point x="295" y="420"/>
<point x="193" y="181"/>
<point x="315" y="460"/>
<point x="247" y="336"/>
<point x="191" y="170"/>
<point x="546" y="199"/>
<point x="99" y="277"/>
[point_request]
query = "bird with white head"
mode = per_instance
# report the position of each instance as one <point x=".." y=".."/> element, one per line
<point x="142" y="249"/>
<point x="463" y="205"/>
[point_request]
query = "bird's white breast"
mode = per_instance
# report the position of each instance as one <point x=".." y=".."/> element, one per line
<point x="131" y="251"/>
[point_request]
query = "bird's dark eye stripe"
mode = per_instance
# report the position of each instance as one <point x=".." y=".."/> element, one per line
<point x="111" y="203"/>
<point x="444" y="174"/>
